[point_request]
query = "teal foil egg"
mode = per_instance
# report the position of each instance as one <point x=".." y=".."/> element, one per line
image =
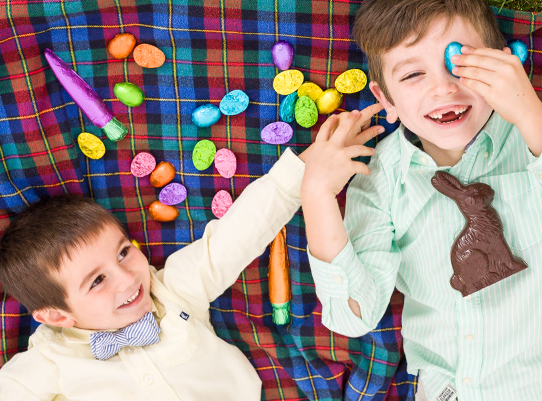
<point x="206" y="115"/>
<point x="129" y="94"/>
<point x="234" y="102"/>
<point x="451" y="50"/>
<point x="519" y="49"/>
<point x="287" y="108"/>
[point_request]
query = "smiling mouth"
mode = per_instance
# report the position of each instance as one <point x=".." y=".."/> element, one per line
<point x="450" y="115"/>
<point x="133" y="297"/>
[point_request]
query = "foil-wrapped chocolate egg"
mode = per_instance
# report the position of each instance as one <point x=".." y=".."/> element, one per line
<point x="121" y="45"/>
<point x="234" y="102"/>
<point x="283" y="54"/>
<point x="203" y="154"/>
<point x="172" y="194"/>
<point x="310" y="89"/>
<point x="206" y="115"/>
<point x="287" y="107"/>
<point x="351" y="81"/>
<point x="136" y="244"/>
<point x="221" y="203"/>
<point x="329" y="101"/>
<point x="277" y="133"/>
<point x="142" y="164"/>
<point x="129" y="94"/>
<point x="288" y="81"/>
<point x="160" y="212"/>
<point x="306" y="112"/>
<point x="163" y="173"/>
<point x="225" y="162"/>
<point x="519" y="49"/>
<point x="451" y="50"/>
<point x="91" y="146"/>
<point x="148" y="56"/>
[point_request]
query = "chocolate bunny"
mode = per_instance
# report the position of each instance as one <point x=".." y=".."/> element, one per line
<point x="480" y="254"/>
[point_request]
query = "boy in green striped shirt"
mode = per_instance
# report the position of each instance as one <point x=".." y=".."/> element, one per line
<point x="482" y="125"/>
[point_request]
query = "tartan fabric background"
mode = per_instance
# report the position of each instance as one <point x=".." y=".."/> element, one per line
<point x="211" y="48"/>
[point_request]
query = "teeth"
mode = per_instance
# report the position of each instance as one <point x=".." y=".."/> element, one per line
<point x="131" y="298"/>
<point x="456" y="109"/>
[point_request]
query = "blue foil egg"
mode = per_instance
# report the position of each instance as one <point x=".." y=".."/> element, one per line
<point x="234" y="102"/>
<point x="287" y="108"/>
<point x="206" y="115"/>
<point x="451" y="50"/>
<point x="519" y="49"/>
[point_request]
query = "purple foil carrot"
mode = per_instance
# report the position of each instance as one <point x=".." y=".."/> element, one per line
<point x="86" y="98"/>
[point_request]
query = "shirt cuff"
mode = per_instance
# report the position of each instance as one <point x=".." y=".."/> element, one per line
<point x="288" y="173"/>
<point x="534" y="164"/>
<point x="339" y="278"/>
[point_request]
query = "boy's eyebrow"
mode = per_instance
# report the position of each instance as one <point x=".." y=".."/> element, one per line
<point x="401" y="64"/>
<point x="93" y="272"/>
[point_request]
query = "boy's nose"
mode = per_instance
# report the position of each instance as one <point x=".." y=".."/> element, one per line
<point x="125" y="279"/>
<point x="444" y="84"/>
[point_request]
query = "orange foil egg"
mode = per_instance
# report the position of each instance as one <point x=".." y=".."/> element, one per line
<point x="160" y="212"/>
<point x="162" y="174"/>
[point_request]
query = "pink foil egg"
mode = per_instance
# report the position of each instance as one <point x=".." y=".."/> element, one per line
<point x="221" y="203"/>
<point x="283" y="54"/>
<point x="225" y="162"/>
<point x="142" y="164"/>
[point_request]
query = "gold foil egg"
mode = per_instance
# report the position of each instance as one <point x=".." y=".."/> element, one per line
<point x="91" y="145"/>
<point x="136" y="244"/>
<point x="329" y="101"/>
<point x="351" y="81"/>
<point x="288" y="82"/>
<point x="310" y="89"/>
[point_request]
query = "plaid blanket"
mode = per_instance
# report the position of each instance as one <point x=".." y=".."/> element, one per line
<point x="211" y="48"/>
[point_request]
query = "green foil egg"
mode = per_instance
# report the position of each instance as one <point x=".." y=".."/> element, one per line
<point x="203" y="154"/>
<point x="306" y="113"/>
<point x="129" y="94"/>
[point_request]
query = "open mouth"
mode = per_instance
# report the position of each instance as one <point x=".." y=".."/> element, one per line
<point x="448" y="115"/>
<point x="136" y="296"/>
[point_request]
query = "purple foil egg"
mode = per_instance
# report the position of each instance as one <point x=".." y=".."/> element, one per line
<point x="283" y="54"/>
<point x="172" y="194"/>
<point x="277" y="133"/>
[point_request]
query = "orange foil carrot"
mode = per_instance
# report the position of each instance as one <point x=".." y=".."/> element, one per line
<point x="279" y="279"/>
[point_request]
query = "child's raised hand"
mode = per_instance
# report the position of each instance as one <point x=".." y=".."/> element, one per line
<point x="499" y="77"/>
<point x="341" y="138"/>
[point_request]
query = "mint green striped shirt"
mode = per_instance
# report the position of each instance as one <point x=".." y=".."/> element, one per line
<point x="487" y="345"/>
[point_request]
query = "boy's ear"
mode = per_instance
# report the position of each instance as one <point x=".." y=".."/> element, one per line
<point x="53" y="317"/>
<point x="391" y="112"/>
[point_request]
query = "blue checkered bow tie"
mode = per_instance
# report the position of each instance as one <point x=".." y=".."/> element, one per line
<point x="105" y="344"/>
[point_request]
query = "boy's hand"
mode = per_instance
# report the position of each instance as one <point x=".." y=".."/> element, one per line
<point x="499" y="77"/>
<point x="329" y="165"/>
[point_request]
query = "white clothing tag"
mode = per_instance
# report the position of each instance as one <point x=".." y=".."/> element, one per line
<point x="448" y="394"/>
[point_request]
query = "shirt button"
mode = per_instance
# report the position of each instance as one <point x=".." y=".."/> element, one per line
<point x="469" y="337"/>
<point x="486" y="155"/>
<point x="128" y="350"/>
<point x="540" y="176"/>
<point x="423" y="159"/>
<point x="338" y="279"/>
<point x="420" y="171"/>
<point x="466" y="298"/>
<point x="466" y="380"/>
<point x="149" y="379"/>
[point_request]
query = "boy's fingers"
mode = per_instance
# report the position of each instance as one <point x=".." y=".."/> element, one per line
<point x="345" y="126"/>
<point x="477" y="86"/>
<point x="360" y="168"/>
<point x="359" y="150"/>
<point x="326" y="129"/>
<point x="477" y="74"/>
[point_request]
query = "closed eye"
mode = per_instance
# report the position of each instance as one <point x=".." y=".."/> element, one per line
<point x="415" y="74"/>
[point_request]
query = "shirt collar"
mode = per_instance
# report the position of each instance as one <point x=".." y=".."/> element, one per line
<point x="493" y="130"/>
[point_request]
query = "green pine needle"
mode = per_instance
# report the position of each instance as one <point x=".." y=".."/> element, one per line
<point x="519" y="5"/>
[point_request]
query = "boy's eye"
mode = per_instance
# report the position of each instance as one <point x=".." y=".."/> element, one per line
<point x="123" y="253"/>
<point x="414" y="74"/>
<point x="98" y="280"/>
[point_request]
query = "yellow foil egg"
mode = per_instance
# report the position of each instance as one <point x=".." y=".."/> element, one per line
<point x="136" y="244"/>
<point x="329" y="101"/>
<point x="288" y="82"/>
<point x="310" y="89"/>
<point x="91" y="145"/>
<point x="351" y="81"/>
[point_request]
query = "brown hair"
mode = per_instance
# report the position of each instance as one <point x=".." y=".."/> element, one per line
<point x="381" y="25"/>
<point x="39" y="238"/>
